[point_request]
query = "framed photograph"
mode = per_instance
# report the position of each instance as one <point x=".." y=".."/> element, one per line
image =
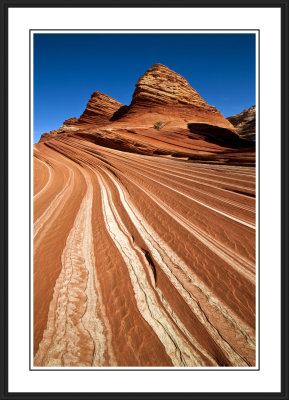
<point x="144" y="171"/>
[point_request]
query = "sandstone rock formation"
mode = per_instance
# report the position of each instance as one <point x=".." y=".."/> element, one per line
<point x="70" y="122"/>
<point x="162" y="98"/>
<point x="144" y="237"/>
<point x="99" y="109"/>
<point x="68" y="126"/>
<point x="245" y="123"/>
<point x="163" y="95"/>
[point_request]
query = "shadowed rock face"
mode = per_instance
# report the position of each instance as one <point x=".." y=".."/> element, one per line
<point x="217" y="135"/>
<point x="245" y="123"/>
<point x="214" y="133"/>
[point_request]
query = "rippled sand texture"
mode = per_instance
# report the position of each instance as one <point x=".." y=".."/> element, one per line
<point x="141" y="260"/>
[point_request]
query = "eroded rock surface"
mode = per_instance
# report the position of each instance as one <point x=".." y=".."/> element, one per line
<point x="144" y="234"/>
<point x="245" y="123"/>
<point x="99" y="109"/>
<point x="162" y="94"/>
<point x="162" y="99"/>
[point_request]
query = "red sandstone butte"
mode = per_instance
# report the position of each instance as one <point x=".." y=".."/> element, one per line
<point x="166" y="117"/>
<point x="162" y="94"/>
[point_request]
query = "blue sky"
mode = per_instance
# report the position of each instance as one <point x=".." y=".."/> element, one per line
<point x="68" y="68"/>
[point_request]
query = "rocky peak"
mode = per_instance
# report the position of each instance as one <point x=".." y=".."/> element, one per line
<point x="162" y="95"/>
<point x="161" y="85"/>
<point x="100" y="108"/>
<point x="163" y="101"/>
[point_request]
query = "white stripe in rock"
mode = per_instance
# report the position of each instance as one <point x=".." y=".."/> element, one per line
<point x="169" y="262"/>
<point x="177" y="348"/>
<point x="75" y="333"/>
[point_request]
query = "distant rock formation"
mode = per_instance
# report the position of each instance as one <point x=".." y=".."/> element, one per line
<point x="163" y="95"/>
<point x="166" y="117"/>
<point x="245" y="123"/>
<point x="99" y="109"/>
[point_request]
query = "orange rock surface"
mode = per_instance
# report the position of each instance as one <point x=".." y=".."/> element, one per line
<point x="144" y="238"/>
<point x="162" y="94"/>
<point x="99" y="109"/>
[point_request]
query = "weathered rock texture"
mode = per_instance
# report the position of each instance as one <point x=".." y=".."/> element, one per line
<point x="163" y="95"/>
<point x="162" y="99"/>
<point x="99" y="109"/>
<point x="140" y="260"/>
<point x="70" y="122"/>
<point x="245" y="123"/>
<point x="161" y="85"/>
<point x="144" y="237"/>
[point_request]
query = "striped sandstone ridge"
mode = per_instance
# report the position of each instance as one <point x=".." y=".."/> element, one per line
<point x="70" y="122"/>
<point x="245" y="123"/>
<point x="140" y="260"/>
<point x="161" y="85"/>
<point x="99" y="109"/>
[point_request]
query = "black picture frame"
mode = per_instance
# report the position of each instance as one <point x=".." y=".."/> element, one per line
<point x="284" y="8"/>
